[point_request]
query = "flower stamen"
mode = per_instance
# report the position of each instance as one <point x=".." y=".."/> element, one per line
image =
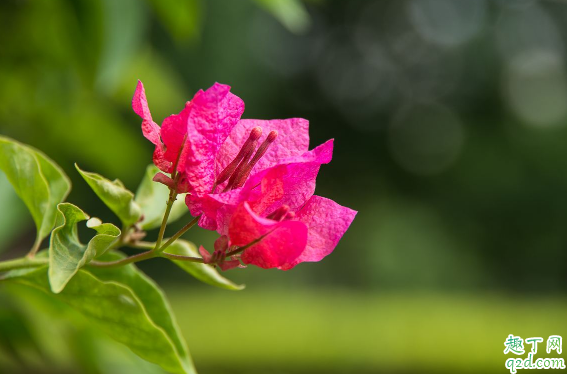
<point x="240" y="173"/>
<point x="244" y="154"/>
<point x="237" y="171"/>
<point x="280" y="213"/>
<point x="243" y="175"/>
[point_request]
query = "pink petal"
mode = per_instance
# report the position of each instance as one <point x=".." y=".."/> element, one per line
<point x="213" y="115"/>
<point x="294" y="175"/>
<point x="327" y="222"/>
<point x="159" y="159"/>
<point x="283" y="241"/>
<point x="163" y="179"/>
<point x="221" y="244"/>
<point x="229" y="264"/>
<point x="205" y="254"/>
<point x="174" y="136"/>
<point x="207" y="223"/>
<point x="322" y="154"/>
<point x="290" y="184"/>
<point x="293" y="140"/>
<point x="150" y="129"/>
<point x="205" y="205"/>
<point x="223" y="217"/>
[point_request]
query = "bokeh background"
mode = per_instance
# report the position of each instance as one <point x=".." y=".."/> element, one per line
<point x="450" y="120"/>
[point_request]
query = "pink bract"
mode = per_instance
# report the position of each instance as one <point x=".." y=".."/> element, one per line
<point x="284" y="194"/>
<point x="193" y="137"/>
<point x="320" y="222"/>
<point x="290" y="182"/>
<point x="282" y="242"/>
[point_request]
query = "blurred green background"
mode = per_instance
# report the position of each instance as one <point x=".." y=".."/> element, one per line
<point x="451" y="141"/>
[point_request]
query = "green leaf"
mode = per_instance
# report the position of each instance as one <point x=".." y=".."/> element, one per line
<point x="15" y="223"/>
<point x="128" y="306"/>
<point x="152" y="198"/>
<point x="291" y="13"/>
<point x="115" y="196"/>
<point x="154" y="300"/>
<point x="37" y="180"/>
<point x="66" y="253"/>
<point x="202" y="272"/>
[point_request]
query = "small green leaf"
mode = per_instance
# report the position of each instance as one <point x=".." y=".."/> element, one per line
<point x="66" y="253"/>
<point x="152" y="198"/>
<point x="203" y="272"/>
<point x="128" y="306"/>
<point x="37" y="180"/>
<point x="115" y="196"/>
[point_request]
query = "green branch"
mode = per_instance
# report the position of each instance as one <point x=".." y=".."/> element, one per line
<point x="178" y="234"/>
<point x="170" y="201"/>
<point x="182" y="258"/>
<point x="22" y="262"/>
<point x="128" y="260"/>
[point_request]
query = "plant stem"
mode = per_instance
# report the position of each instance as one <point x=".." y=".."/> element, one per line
<point x="140" y="245"/>
<point x="244" y="247"/>
<point x="34" y="249"/>
<point x="144" y="256"/>
<point x="181" y="258"/>
<point x="170" y="201"/>
<point x="22" y="262"/>
<point x="128" y="260"/>
<point x="172" y="196"/>
<point x="179" y="233"/>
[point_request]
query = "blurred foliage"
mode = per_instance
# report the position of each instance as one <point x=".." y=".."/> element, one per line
<point x="291" y="13"/>
<point x="15" y="223"/>
<point x="37" y="181"/>
<point x="394" y="333"/>
<point x="57" y="340"/>
<point x="450" y="126"/>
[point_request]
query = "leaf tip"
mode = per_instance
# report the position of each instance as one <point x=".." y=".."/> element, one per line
<point x="93" y="222"/>
<point x="55" y="285"/>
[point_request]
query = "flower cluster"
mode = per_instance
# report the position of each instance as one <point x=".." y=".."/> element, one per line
<point x="253" y="181"/>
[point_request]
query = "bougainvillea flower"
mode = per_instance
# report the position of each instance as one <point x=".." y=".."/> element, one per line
<point x="251" y="179"/>
<point x="215" y="152"/>
<point x="251" y="147"/>
<point x="289" y="238"/>
<point x="271" y="216"/>
<point x="290" y="182"/>
<point x="282" y="241"/>
<point x="192" y="138"/>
